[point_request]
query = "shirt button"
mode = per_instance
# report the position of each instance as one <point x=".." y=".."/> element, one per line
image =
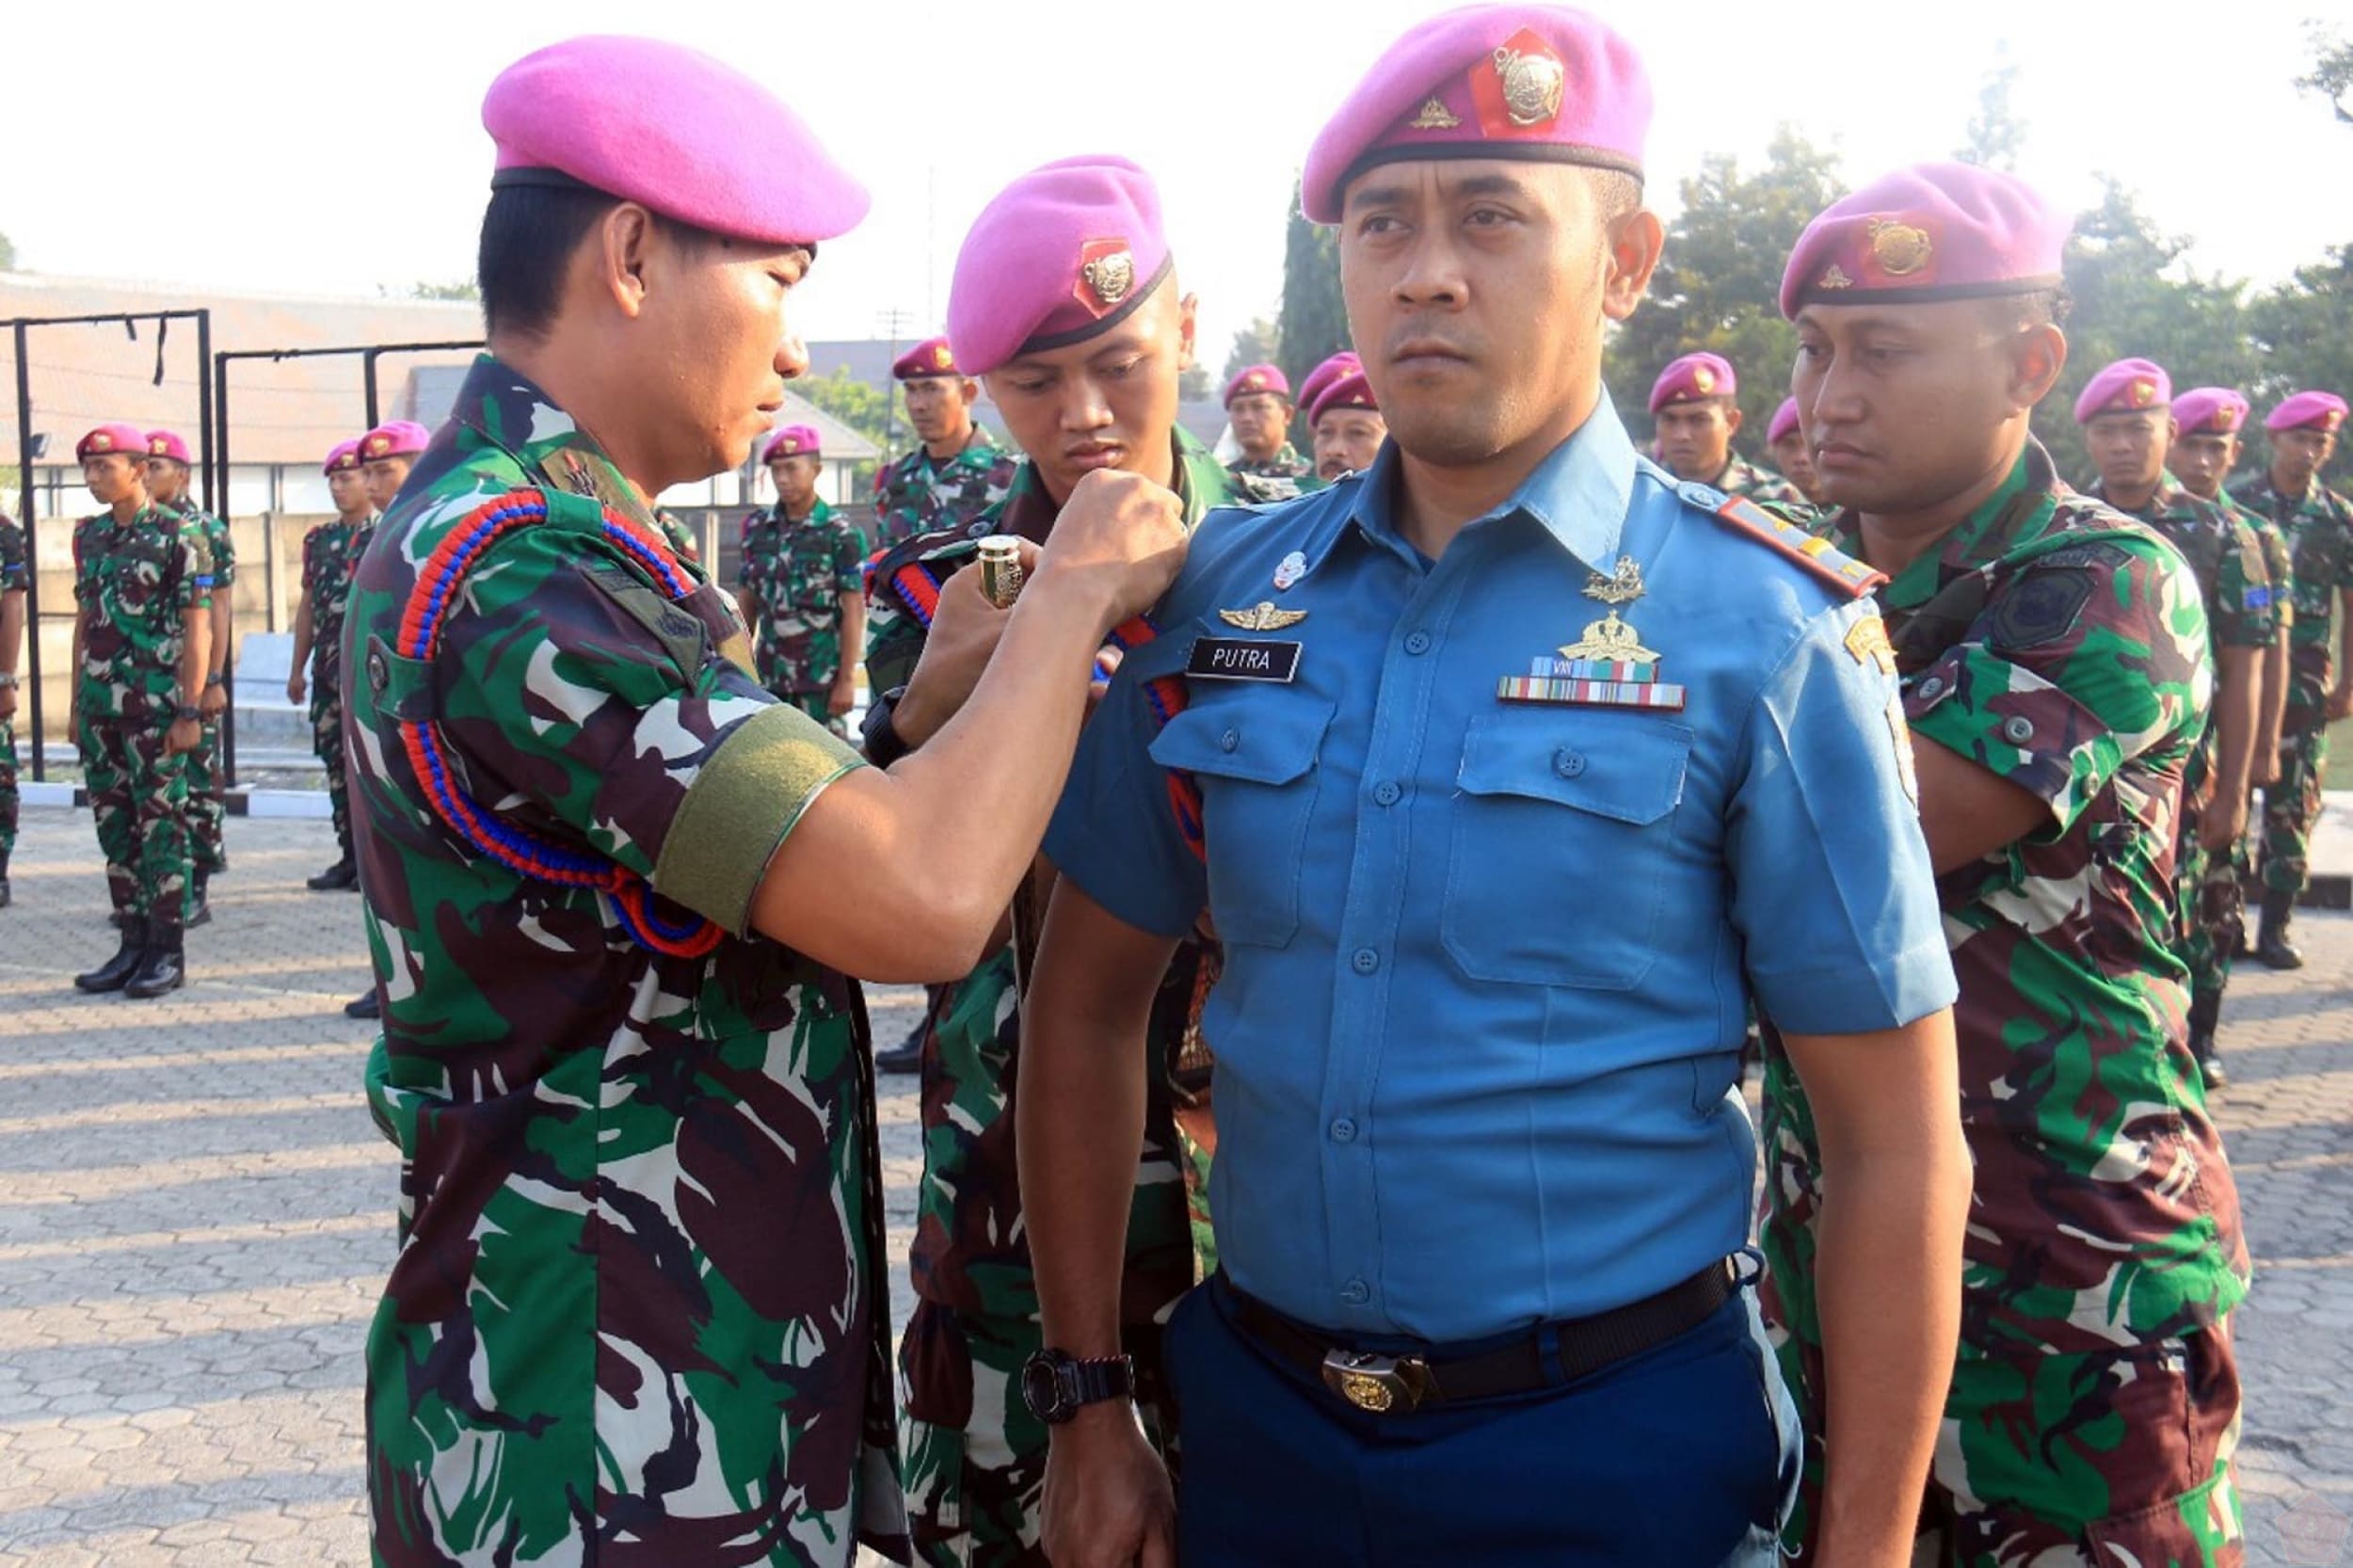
<point x="1343" y="1131"/>
<point x="1567" y="764"/>
<point x="1932" y="686"/>
<point x="2018" y="729"/>
<point x="1355" y="1292"/>
<point x="1417" y="643"/>
<point x="1386" y="793"/>
<point x="1229" y="741"/>
<point x="1366" y="960"/>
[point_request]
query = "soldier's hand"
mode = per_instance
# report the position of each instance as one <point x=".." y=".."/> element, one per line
<point x="294" y="688"/>
<point x="2265" y="771"/>
<point x="2340" y="704"/>
<point x="8" y="702"/>
<point x="2224" y="826"/>
<point x="1120" y="538"/>
<point x="843" y="697"/>
<point x="1108" y="1500"/>
<point x="214" y="700"/>
<point x="183" y="736"/>
<point x="963" y="633"/>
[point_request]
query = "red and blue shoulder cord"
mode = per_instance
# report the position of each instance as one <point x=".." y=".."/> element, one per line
<point x="526" y="854"/>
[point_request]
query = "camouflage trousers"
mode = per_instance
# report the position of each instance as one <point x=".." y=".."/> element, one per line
<point x="2214" y="907"/>
<point x="8" y="791"/>
<point x="2116" y="1457"/>
<point x="327" y="740"/>
<point x="138" y="795"/>
<point x="2291" y="803"/>
<point x="205" y="809"/>
<point x="974" y="1458"/>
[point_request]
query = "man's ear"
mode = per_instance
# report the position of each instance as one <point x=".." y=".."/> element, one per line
<point x="618" y="256"/>
<point x="1187" y="310"/>
<point x="1635" y="241"/>
<point x="2037" y="356"/>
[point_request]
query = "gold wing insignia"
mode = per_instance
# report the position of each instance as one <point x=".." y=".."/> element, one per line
<point x="1262" y="616"/>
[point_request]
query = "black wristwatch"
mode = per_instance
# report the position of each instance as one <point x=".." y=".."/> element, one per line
<point x="882" y="746"/>
<point x="1055" y="1384"/>
<point x="187" y="711"/>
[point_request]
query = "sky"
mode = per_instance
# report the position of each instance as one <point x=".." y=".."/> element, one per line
<point x="311" y="150"/>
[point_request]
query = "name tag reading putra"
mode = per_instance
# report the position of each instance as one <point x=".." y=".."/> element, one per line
<point x="1243" y="659"/>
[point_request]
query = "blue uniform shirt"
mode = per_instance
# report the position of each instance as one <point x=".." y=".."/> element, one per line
<point x="1488" y="963"/>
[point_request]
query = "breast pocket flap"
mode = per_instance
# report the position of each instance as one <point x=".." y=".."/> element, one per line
<point x="1627" y="767"/>
<point x="1266" y="740"/>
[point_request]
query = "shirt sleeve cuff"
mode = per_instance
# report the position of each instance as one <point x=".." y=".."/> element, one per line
<point x="1861" y="999"/>
<point x="742" y="807"/>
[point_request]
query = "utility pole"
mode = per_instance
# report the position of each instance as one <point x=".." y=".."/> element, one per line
<point x="893" y="322"/>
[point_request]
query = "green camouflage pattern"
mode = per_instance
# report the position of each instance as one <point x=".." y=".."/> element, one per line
<point x="14" y="578"/>
<point x="796" y="574"/>
<point x="638" y="1312"/>
<point x="683" y="540"/>
<point x="133" y="583"/>
<point x="2062" y="647"/>
<point x="1286" y="463"/>
<point x="139" y="798"/>
<point x="2318" y="530"/>
<point x="918" y="494"/>
<point x="207" y="810"/>
<point x="975" y="1464"/>
<point x="2118" y="1458"/>
<point x="2226" y="555"/>
<point x="1759" y="482"/>
<point x="329" y="552"/>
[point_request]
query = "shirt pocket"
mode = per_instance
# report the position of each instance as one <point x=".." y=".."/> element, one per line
<point x="1562" y="829"/>
<point x="1254" y="756"/>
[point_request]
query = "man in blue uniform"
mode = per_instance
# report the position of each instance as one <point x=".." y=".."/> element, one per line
<point x="1511" y="772"/>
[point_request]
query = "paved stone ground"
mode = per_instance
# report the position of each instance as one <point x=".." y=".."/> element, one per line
<point x="195" y="1216"/>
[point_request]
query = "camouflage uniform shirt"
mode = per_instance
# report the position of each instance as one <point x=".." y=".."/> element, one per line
<point x="637" y="1312"/>
<point x="917" y="494"/>
<point x="134" y="582"/>
<point x="1756" y="482"/>
<point x="796" y="573"/>
<point x="2318" y="532"/>
<point x="329" y="553"/>
<point x="2061" y="646"/>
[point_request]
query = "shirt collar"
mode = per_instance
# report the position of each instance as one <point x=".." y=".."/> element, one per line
<point x="1578" y="495"/>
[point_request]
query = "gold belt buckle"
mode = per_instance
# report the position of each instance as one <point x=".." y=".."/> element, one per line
<point x="1378" y="1384"/>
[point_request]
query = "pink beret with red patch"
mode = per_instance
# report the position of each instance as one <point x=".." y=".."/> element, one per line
<point x="1519" y="81"/>
<point x="931" y="356"/>
<point x="112" y="436"/>
<point x="1351" y="391"/>
<point x="791" y="441"/>
<point x="2126" y="387"/>
<point x="1257" y="378"/>
<point x="399" y="437"/>
<point x="166" y="443"/>
<point x="1932" y="232"/>
<point x="344" y="459"/>
<point x="1784" y="422"/>
<point x="1345" y="362"/>
<point x="1693" y="379"/>
<point x="2307" y="410"/>
<point x="687" y="136"/>
<point x="1061" y="255"/>
<point x="2210" y="411"/>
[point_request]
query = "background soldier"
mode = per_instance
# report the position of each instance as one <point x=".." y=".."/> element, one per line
<point x="1696" y="406"/>
<point x="2317" y="525"/>
<point x="168" y="468"/>
<point x="329" y="552"/>
<point x="2126" y="412"/>
<point x="387" y="455"/>
<point x="1785" y="439"/>
<point x="141" y="626"/>
<point x="2054" y="672"/>
<point x="1259" y="407"/>
<point x="638" y="1310"/>
<point x="1348" y="425"/>
<point x="1066" y="299"/>
<point x="14" y="574"/>
<point x="803" y="592"/>
<point x="956" y="471"/>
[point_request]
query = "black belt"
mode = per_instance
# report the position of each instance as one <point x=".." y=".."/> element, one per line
<point x="1558" y="1354"/>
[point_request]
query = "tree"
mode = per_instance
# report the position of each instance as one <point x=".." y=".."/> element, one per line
<point x="1255" y="345"/>
<point x="1996" y="132"/>
<point x="1192" y="383"/>
<point x="1717" y="284"/>
<point x="1313" y="324"/>
<point x="864" y="408"/>
<point x="2331" y="75"/>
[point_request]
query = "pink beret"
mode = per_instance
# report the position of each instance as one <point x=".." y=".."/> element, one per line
<point x="1928" y="232"/>
<point x="931" y="356"/>
<point x="166" y="443"/>
<point x="1693" y="379"/>
<point x="1349" y="391"/>
<point x="1533" y="82"/>
<point x="2126" y="387"/>
<point x="111" y="438"/>
<point x="399" y="437"/>
<point x="1257" y="378"/>
<point x="791" y="441"/>
<point x="344" y="459"/>
<point x="2210" y="410"/>
<point x="1784" y="422"/>
<point x="1345" y="362"/>
<point x="1062" y="254"/>
<point x="691" y="137"/>
<point x="2307" y="410"/>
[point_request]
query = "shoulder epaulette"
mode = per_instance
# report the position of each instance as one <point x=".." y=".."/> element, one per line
<point x="913" y="569"/>
<point x="1816" y="554"/>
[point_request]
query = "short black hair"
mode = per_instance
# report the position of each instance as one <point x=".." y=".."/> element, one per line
<point x="1618" y="192"/>
<point x="529" y="233"/>
<point x="2048" y="307"/>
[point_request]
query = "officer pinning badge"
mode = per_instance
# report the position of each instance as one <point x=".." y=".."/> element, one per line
<point x="1262" y="616"/>
<point x="1606" y="667"/>
<point x="1292" y="568"/>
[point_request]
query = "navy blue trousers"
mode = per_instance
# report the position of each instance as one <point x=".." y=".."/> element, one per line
<point x="1682" y="1457"/>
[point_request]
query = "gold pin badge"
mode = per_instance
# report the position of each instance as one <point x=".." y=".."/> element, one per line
<point x="941" y="358"/>
<point x="1899" y="249"/>
<point x="1434" y="115"/>
<point x="1531" y="85"/>
<point x="1262" y="616"/>
<point x="2144" y="393"/>
<point x="1834" y="277"/>
<point x="1110" y="278"/>
<point x="1609" y="638"/>
<point x="1704" y="378"/>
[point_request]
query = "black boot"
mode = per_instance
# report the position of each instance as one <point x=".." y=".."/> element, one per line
<point x="365" y="1005"/>
<point x="160" y="970"/>
<point x="335" y="878"/>
<point x="2204" y="1014"/>
<point x="201" y="908"/>
<point x="110" y="975"/>
<point x="2272" y="947"/>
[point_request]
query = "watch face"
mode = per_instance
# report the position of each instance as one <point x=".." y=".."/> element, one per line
<point x="1040" y="1388"/>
